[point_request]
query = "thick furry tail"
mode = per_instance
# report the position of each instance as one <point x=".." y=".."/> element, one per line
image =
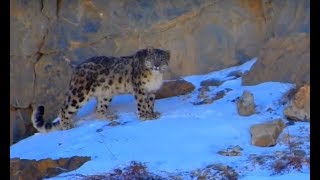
<point x="39" y="123"/>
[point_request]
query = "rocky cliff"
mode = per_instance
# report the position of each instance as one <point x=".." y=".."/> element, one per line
<point x="49" y="36"/>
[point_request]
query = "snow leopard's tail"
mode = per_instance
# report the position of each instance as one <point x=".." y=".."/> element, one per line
<point x="40" y="124"/>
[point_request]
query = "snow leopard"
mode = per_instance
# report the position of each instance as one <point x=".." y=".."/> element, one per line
<point x="103" y="77"/>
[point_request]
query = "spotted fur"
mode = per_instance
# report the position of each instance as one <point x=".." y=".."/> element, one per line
<point x="104" y="77"/>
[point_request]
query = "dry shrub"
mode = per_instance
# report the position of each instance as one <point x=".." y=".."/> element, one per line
<point x="287" y="162"/>
<point x="133" y="171"/>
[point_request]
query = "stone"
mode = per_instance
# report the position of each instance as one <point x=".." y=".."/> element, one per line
<point x="231" y="151"/>
<point x="211" y="82"/>
<point x="45" y="168"/>
<point x="174" y="88"/>
<point x="205" y="99"/>
<point x="299" y="107"/>
<point x="285" y="59"/>
<point x="266" y="134"/>
<point x="245" y="104"/>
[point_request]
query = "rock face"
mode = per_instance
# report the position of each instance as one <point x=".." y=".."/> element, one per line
<point x="48" y="37"/>
<point x="266" y="134"/>
<point x="24" y="169"/>
<point x="174" y="88"/>
<point x="245" y="104"/>
<point x="299" y="107"/>
<point x="285" y="59"/>
<point x="20" y="124"/>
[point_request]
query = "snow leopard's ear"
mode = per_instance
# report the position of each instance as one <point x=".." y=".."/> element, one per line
<point x="150" y="49"/>
<point x="141" y="54"/>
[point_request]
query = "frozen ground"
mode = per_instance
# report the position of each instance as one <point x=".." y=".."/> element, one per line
<point x="186" y="137"/>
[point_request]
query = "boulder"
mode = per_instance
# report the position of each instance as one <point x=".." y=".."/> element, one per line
<point x="245" y="104"/>
<point x="174" y="88"/>
<point x="21" y="169"/>
<point x="266" y="134"/>
<point x="299" y="107"/>
<point x="211" y="82"/>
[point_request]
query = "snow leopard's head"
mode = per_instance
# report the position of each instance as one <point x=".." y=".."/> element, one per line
<point x="155" y="59"/>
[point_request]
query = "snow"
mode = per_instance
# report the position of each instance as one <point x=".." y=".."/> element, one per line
<point x="292" y="176"/>
<point x="184" y="138"/>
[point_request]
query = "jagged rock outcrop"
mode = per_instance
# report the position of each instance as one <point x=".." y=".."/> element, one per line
<point x="48" y="37"/>
<point x="298" y="108"/>
<point x="284" y="59"/>
<point x="26" y="169"/>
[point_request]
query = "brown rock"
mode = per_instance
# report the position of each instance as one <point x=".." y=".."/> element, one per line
<point x="299" y="107"/>
<point x="21" y="82"/>
<point x="28" y="28"/>
<point x="284" y="18"/>
<point x="205" y="99"/>
<point x="20" y="124"/>
<point x="31" y="169"/>
<point x="174" y="88"/>
<point x="211" y="82"/>
<point x="266" y="134"/>
<point x="245" y="104"/>
<point x="282" y="59"/>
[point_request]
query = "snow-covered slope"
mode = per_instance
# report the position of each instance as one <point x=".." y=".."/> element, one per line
<point x="184" y="138"/>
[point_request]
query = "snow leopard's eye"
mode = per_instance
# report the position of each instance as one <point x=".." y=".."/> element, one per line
<point x="148" y="63"/>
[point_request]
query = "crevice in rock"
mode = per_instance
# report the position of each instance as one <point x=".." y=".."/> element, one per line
<point x="264" y="13"/>
<point x="84" y="45"/>
<point x="269" y="5"/>
<point x="43" y="41"/>
<point x="181" y="19"/>
<point x="15" y="108"/>
<point x="59" y="5"/>
<point x="35" y="73"/>
<point x="39" y="55"/>
<point x="42" y="7"/>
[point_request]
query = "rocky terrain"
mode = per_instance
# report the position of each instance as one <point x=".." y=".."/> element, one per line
<point x="211" y="127"/>
<point x="49" y="37"/>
